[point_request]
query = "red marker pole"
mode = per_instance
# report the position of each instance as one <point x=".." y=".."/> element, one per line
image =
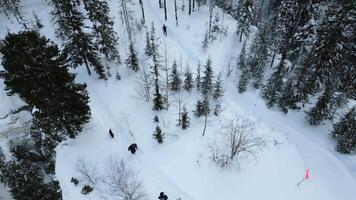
<point x="306" y="177"/>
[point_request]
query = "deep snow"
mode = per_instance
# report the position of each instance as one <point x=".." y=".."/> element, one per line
<point x="179" y="166"/>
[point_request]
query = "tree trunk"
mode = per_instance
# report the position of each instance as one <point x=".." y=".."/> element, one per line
<point x="142" y="11"/>
<point x="193" y="5"/>
<point x="273" y="57"/>
<point x="175" y="11"/>
<point x="190" y="7"/>
<point x="160" y="3"/>
<point x="210" y="17"/>
<point x="205" y="123"/>
<point x="87" y="66"/>
<point x="165" y="10"/>
<point x="240" y="36"/>
<point x="166" y="71"/>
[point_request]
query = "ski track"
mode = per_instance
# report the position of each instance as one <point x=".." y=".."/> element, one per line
<point x="172" y="36"/>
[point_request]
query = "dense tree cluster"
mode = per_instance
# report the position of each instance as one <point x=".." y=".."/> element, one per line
<point x="315" y="42"/>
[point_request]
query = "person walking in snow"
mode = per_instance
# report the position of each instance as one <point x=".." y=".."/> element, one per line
<point x="163" y="196"/>
<point x="133" y="148"/>
<point x="111" y="133"/>
<point x="164" y="29"/>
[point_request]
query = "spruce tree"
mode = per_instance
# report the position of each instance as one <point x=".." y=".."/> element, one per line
<point x="202" y="107"/>
<point x="322" y="109"/>
<point x="218" y="88"/>
<point x="344" y="132"/>
<point x="106" y="38"/>
<point x="188" y="79"/>
<point x="272" y="90"/>
<point x="175" y="81"/>
<point x="244" y="71"/>
<point x="185" y="121"/>
<point x="158" y="135"/>
<point x="207" y="79"/>
<point x="62" y="106"/>
<point x="257" y="60"/>
<point x="78" y="46"/>
<point x="148" y="47"/>
<point x="197" y="79"/>
<point x="26" y="181"/>
<point x="132" y="60"/>
<point x="246" y="12"/>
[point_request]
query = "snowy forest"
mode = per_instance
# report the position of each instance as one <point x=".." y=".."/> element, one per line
<point x="177" y="99"/>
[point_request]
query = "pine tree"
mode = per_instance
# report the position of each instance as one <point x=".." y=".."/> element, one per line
<point x="344" y="132"/>
<point x="244" y="71"/>
<point x="175" y="81"/>
<point x="148" y="48"/>
<point x="158" y="135"/>
<point x="322" y="109"/>
<point x="218" y="88"/>
<point x="202" y="107"/>
<point x="272" y="90"/>
<point x="257" y="60"/>
<point x="185" y="121"/>
<point x="217" y="108"/>
<point x="132" y="60"/>
<point x="207" y="80"/>
<point x="62" y="106"/>
<point x="246" y="12"/>
<point x="197" y="79"/>
<point x="26" y="182"/>
<point x="106" y="38"/>
<point x="188" y="79"/>
<point x="78" y="46"/>
<point x="205" y="42"/>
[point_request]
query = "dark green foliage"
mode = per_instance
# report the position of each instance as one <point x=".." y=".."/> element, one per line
<point x="156" y="119"/>
<point x="218" y="88"/>
<point x="244" y="72"/>
<point x="207" y="79"/>
<point x="158" y="101"/>
<point x="26" y="181"/>
<point x="175" y="81"/>
<point x="30" y="63"/>
<point x="324" y="108"/>
<point x="106" y="38"/>
<point x="258" y="58"/>
<point x="246" y="12"/>
<point x="185" y="121"/>
<point x="78" y="46"/>
<point x="272" y="91"/>
<point x="188" y="79"/>
<point x="148" y="48"/>
<point x="202" y="107"/>
<point x="197" y="79"/>
<point x="158" y="135"/>
<point x="132" y="60"/>
<point x="344" y="132"/>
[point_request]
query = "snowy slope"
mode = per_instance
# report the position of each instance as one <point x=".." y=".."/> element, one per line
<point x="179" y="166"/>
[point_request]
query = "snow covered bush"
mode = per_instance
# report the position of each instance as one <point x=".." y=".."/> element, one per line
<point x="235" y="139"/>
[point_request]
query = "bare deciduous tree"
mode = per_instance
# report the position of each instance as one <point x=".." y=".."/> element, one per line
<point x="122" y="180"/>
<point x="142" y="85"/>
<point x="236" y="139"/>
<point x="88" y="171"/>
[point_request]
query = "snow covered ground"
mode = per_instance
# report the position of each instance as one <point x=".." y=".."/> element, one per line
<point x="179" y="166"/>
